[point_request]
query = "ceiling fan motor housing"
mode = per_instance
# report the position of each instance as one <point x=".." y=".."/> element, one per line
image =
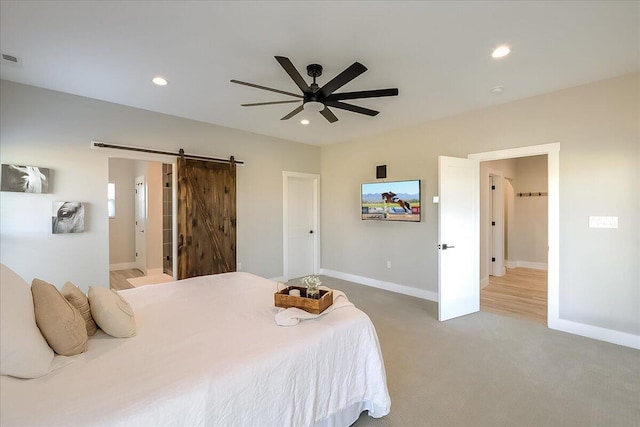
<point x="314" y="70"/>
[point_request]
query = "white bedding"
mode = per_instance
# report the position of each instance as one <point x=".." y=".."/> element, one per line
<point x="208" y="353"/>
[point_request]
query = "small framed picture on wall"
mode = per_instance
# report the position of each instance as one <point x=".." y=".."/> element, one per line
<point x="67" y="217"/>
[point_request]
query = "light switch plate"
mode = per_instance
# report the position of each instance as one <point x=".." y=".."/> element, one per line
<point x="603" y="222"/>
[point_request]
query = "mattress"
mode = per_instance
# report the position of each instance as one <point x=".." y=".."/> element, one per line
<point x="208" y="353"/>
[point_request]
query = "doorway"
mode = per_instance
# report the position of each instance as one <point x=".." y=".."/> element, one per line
<point x="142" y="227"/>
<point x="551" y="151"/>
<point x="514" y="214"/>
<point x="461" y="295"/>
<point x="301" y="219"/>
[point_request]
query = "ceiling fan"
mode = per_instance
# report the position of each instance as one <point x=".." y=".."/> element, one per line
<point x="319" y="99"/>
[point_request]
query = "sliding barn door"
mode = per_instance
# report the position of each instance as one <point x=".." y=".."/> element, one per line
<point x="206" y="218"/>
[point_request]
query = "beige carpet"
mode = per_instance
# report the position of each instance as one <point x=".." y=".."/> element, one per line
<point x="154" y="279"/>
<point x="486" y="369"/>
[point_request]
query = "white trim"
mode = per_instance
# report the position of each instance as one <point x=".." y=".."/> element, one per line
<point x="489" y="244"/>
<point x="553" y="240"/>
<point x="380" y="284"/>
<point x="598" y="333"/>
<point x="315" y="178"/>
<point x="122" y="266"/>
<point x="528" y="264"/>
<point x="484" y="282"/>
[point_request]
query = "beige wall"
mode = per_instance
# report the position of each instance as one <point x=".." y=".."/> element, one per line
<point x="527" y="222"/>
<point x="121" y="228"/>
<point x="51" y="129"/>
<point x="153" y="232"/>
<point x="528" y="241"/>
<point x="597" y="126"/>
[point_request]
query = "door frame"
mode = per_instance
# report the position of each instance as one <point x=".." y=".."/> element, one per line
<point x="552" y="151"/>
<point x="494" y="243"/>
<point x="315" y="179"/>
<point x="140" y="242"/>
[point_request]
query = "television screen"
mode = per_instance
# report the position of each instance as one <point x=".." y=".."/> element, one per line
<point x="391" y="201"/>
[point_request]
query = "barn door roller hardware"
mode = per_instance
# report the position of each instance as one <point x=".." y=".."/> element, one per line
<point x="181" y="153"/>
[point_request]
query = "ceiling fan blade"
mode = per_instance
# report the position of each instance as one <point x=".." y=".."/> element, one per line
<point x="267" y="88"/>
<point x="268" y="103"/>
<point x="293" y="113"/>
<point x="350" y="107"/>
<point x="363" y="94"/>
<point x="293" y="73"/>
<point x="353" y="71"/>
<point x="328" y="114"/>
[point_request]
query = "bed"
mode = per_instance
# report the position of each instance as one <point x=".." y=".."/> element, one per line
<point x="208" y="353"/>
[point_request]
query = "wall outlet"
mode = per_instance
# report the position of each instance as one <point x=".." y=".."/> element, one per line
<point x="603" y="222"/>
<point x="238" y="266"/>
<point x="388" y="264"/>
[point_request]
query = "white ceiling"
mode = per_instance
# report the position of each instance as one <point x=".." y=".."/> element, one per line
<point x="436" y="53"/>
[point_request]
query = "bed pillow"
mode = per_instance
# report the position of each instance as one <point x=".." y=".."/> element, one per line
<point x="112" y="313"/>
<point x="61" y="323"/>
<point x="79" y="300"/>
<point x="24" y="353"/>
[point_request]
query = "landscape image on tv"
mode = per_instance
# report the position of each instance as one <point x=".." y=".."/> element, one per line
<point x="391" y="201"/>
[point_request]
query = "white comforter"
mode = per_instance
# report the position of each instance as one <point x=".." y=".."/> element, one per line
<point x="208" y="353"/>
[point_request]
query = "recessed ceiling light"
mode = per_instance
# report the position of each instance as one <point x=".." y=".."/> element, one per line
<point x="500" y="52"/>
<point x="304" y="122"/>
<point x="160" y="81"/>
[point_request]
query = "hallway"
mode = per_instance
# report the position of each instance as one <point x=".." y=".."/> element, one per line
<point x="521" y="292"/>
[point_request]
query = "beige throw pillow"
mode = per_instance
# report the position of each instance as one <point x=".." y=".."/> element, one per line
<point x="79" y="300"/>
<point x="111" y="312"/>
<point x="61" y="323"/>
<point x="24" y="351"/>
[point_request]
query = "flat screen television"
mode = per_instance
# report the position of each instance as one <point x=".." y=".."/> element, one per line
<point x="391" y="201"/>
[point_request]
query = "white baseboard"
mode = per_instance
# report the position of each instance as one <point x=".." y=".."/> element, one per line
<point x="123" y="266"/>
<point x="596" y="332"/>
<point x="582" y="329"/>
<point x="526" y="264"/>
<point x="484" y="282"/>
<point x="387" y="286"/>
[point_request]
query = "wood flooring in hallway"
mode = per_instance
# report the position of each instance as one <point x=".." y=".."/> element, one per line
<point x="521" y="292"/>
<point x="118" y="278"/>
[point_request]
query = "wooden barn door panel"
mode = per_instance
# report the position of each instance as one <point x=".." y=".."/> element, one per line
<point x="206" y="218"/>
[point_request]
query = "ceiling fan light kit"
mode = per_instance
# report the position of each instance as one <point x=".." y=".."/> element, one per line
<point x="317" y="99"/>
<point x="313" y="106"/>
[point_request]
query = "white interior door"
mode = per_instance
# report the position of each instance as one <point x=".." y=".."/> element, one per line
<point x="141" y="224"/>
<point x="301" y="225"/>
<point x="498" y="227"/>
<point x="459" y="237"/>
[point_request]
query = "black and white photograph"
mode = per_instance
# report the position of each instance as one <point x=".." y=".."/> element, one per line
<point x="68" y="217"/>
<point x="24" y="179"/>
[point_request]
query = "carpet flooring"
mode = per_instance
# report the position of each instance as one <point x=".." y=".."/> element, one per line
<point x="486" y="369"/>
